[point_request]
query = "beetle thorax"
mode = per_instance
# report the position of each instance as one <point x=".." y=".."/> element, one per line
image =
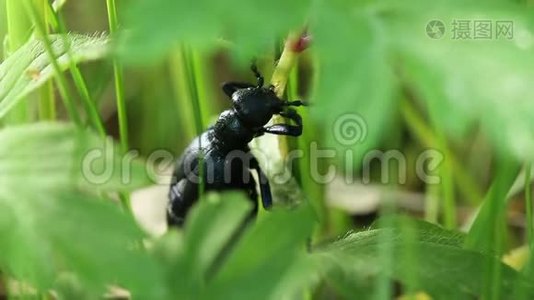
<point x="231" y="132"/>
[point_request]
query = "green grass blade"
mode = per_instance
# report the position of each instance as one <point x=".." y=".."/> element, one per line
<point x="19" y="29"/>
<point x="200" y="73"/>
<point x="482" y="233"/>
<point x="119" y="94"/>
<point x="182" y="92"/>
<point x="426" y="135"/>
<point x="60" y="78"/>
<point x="118" y="75"/>
<point x="195" y="85"/>
<point x="79" y="81"/>
<point x="488" y="230"/>
<point x="47" y="98"/>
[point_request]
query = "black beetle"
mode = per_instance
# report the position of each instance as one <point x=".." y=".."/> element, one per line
<point x="220" y="159"/>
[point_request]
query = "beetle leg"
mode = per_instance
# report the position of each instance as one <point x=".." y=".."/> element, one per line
<point x="284" y="129"/>
<point x="259" y="77"/>
<point x="265" y="188"/>
<point x="292" y="115"/>
<point x="230" y="87"/>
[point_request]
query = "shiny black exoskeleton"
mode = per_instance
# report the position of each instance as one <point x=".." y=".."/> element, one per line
<point x="220" y="159"/>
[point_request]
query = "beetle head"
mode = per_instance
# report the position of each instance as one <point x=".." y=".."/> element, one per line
<point x="256" y="106"/>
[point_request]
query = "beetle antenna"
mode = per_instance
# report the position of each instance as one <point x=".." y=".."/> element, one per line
<point x="260" y="79"/>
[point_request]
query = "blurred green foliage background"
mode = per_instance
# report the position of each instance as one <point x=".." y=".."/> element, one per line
<point x="147" y="75"/>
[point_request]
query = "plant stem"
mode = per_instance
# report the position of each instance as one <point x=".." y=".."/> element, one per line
<point x="47" y="99"/>
<point x="18" y="24"/>
<point x="119" y="95"/>
<point x="432" y="202"/>
<point x="283" y="69"/>
<point x="19" y="31"/>
<point x="47" y="102"/>
<point x="488" y="230"/>
<point x="447" y="184"/>
<point x="528" y="206"/>
<point x="527" y="266"/>
<point x="279" y="80"/>
<point x="119" y="85"/>
<point x="312" y="189"/>
<point x="61" y="80"/>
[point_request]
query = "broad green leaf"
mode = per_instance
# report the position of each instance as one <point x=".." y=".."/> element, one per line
<point x="425" y="231"/>
<point x="50" y="226"/>
<point x="431" y="260"/>
<point x="29" y="67"/>
<point x="212" y="225"/>
<point x="270" y="260"/>
<point x="219" y="257"/>
<point x="44" y="235"/>
<point x="157" y="26"/>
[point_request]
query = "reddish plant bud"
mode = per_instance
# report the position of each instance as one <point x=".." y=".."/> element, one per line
<point x="302" y="43"/>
